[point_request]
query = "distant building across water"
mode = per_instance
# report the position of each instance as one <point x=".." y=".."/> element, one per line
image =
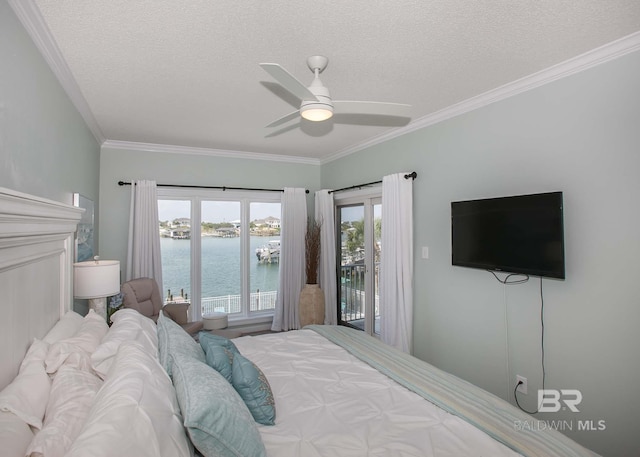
<point x="180" y="228"/>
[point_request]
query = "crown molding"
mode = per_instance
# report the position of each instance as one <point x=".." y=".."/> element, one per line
<point x="188" y="150"/>
<point x="31" y="19"/>
<point x="595" y="57"/>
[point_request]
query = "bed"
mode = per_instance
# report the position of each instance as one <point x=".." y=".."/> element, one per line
<point x="139" y="389"/>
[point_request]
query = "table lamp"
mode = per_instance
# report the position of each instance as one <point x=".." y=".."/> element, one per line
<point x="96" y="280"/>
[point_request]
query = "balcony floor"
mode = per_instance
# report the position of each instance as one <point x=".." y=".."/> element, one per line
<point x="359" y="324"/>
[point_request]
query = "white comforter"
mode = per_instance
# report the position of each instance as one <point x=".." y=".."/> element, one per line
<point x="328" y="403"/>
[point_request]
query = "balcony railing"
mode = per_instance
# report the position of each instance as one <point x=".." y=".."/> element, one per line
<point x="230" y="304"/>
<point x="352" y="297"/>
<point x="352" y="292"/>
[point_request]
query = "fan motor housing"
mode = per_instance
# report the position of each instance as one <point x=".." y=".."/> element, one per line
<point x="320" y="109"/>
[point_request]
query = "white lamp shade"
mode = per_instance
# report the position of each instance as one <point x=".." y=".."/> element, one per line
<point x="96" y="279"/>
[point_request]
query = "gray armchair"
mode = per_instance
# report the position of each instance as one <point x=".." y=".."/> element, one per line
<point x="178" y="313"/>
<point x="143" y="295"/>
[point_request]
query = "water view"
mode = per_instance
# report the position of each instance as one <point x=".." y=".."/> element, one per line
<point x="223" y="279"/>
<point x="221" y="274"/>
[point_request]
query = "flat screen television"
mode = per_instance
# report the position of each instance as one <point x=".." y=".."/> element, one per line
<point x="518" y="234"/>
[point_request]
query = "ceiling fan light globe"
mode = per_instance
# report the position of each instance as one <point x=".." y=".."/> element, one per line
<point x="316" y="114"/>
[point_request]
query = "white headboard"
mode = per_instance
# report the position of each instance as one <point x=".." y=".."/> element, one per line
<point x="36" y="256"/>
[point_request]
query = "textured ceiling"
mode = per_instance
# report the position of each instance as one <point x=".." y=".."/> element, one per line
<point x="186" y="73"/>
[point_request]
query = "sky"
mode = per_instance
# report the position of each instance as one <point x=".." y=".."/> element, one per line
<point x="215" y="211"/>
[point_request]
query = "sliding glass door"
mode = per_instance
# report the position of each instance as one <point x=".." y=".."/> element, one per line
<point x="359" y="255"/>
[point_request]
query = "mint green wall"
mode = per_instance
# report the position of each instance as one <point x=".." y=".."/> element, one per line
<point x="45" y="147"/>
<point x="170" y="168"/>
<point x="580" y="135"/>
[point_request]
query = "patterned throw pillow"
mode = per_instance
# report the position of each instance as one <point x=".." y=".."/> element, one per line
<point x="252" y="385"/>
<point x="219" y="353"/>
<point x="220" y="359"/>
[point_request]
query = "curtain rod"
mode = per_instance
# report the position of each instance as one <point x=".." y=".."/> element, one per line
<point x="223" y="188"/>
<point x="412" y="175"/>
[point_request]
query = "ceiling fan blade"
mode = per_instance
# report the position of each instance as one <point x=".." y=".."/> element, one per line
<point x="284" y="119"/>
<point x="375" y="108"/>
<point x="286" y="129"/>
<point x="288" y="81"/>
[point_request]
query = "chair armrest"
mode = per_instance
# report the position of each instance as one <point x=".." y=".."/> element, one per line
<point x="176" y="312"/>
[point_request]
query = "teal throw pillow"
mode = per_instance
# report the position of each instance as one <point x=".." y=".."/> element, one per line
<point x="217" y="420"/>
<point x="207" y="339"/>
<point x="219" y="358"/>
<point x="219" y="352"/>
<point x="252" y="385"/>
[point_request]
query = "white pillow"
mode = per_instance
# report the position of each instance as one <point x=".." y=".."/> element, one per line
<point x="128" y="325"/>
<point x="15" y="435"/>
<point x="72" y="394"/>
<point x="134" y="413"/>
<point x="37" y="353"/>
<point x="27" y="395"/>
<point x="76" y="350"/>
<point x="66" y="327"/>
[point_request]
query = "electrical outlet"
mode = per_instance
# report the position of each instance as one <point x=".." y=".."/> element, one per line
<point x="522" y="387"/>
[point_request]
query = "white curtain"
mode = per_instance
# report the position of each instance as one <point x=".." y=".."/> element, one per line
<point x="143" y="254"/>
<point x="325" y="214"/>
<point x="292" y="254"/>
<point x="396" y="263"/>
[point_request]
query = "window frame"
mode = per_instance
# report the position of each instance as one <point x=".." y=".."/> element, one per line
<point x="196" y="197"/>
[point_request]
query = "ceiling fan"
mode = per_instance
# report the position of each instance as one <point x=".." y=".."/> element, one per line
<point x="317" y="104"/>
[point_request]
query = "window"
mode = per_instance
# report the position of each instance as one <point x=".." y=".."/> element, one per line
<point x="359" y="220"/>
<point x="221" y="250"/>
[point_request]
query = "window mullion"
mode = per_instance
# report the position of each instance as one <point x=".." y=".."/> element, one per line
<point x="244" y="256"/>
<point x="196" y="262"/>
